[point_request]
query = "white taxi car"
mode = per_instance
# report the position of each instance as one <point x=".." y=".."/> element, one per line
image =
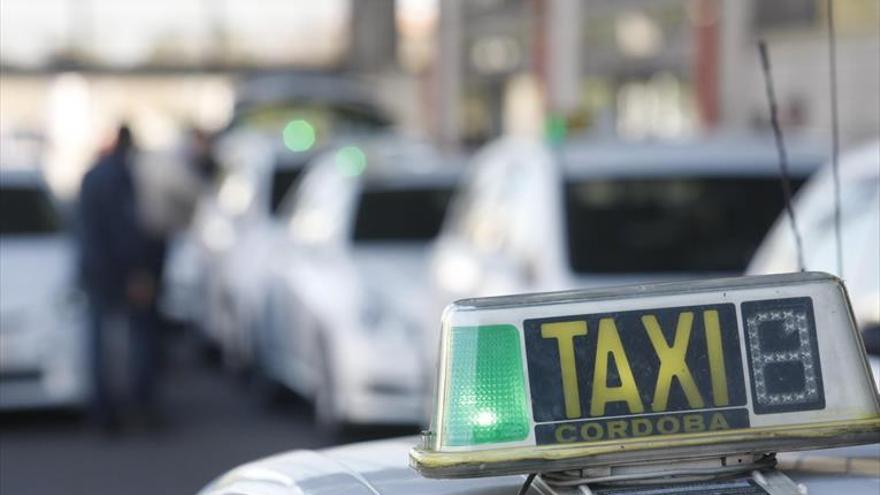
<point x="348" y="282"/>
<point x="43" y="345"/>
<point x="598" y="213"/>
<point x="860" y="231"/>
<point x="720" y="387"/>
<point x="228" y="230"/>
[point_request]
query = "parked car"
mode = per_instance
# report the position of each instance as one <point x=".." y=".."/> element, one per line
<point x="228" y="226"/>
<point x="599" y="213"/>
<point x="860" y="236"/>
<point x="43" y="347"/>
<point x="348" y="281"/>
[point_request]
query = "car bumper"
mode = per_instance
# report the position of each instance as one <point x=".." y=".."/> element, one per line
<point x="35" y="390"/>
<point x="43" y="369"/>
<point x="383" y="385"/>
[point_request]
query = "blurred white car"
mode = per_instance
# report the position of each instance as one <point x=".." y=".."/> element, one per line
<point x="43" y="346"/>
<point x="596" y="213"/>
<point x="227" y="232"/>
<point x="349" y="283"/>
<point x="601" y="213"/>
<point x="860" y="236"/>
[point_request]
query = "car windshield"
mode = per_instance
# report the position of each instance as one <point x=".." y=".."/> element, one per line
<point x="414" y="214"/>
<point x="26" y="210"/>
<point x="669" y="225"/>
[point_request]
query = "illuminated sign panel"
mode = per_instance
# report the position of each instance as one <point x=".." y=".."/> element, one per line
<point x="783" y="355"/>
<point x="565" y="380"/>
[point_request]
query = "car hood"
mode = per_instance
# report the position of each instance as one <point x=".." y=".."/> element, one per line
<point x="35" y="270"/>
<point x="370" y="468"/>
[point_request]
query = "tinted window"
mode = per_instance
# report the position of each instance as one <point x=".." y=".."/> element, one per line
<point x="282" y="180"/>
<point x="26" y="210"/>
<point x="326" y="119"/>
<point x="670" y="225"/>
<point x="401" y="215"/>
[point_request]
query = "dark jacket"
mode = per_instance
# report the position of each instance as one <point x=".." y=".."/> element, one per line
<point x="113" y="242"/>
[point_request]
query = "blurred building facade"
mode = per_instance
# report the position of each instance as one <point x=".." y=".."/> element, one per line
<point x="460" y="72"/>
<point x="655" y="68"/>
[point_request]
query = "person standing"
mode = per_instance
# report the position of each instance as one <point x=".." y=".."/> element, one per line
<point x="121" y="263"/>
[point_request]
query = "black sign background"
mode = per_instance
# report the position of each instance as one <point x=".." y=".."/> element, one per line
<point x="789" y="377"/>
<point x="545" y="378"/>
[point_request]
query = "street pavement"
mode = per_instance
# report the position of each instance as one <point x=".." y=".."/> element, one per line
<point x="214" y="422"/>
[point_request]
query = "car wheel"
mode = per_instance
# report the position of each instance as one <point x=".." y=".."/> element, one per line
<point x="268" y="390"/>
<point x="236" y="340"/>
<point x="327" y="415"/>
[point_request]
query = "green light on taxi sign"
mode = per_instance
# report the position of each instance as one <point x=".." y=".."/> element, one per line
<point x="648" y="373"/>
<point x="351" y="161"/>
<point x="486" y="387"/>
<point x="298" y="135"/>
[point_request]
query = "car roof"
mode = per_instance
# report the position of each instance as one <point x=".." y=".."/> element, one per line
<point x="303" y="86"/>
<point x="381" y="468"/>
<point x="396" y="161"/>
<point x="723" y="155"/>
<point x="369" y="468"/>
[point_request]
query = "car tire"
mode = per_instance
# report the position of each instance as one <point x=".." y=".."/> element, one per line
<point x="269" y="391"/>
<point x="236" y="340"/>
<point x="327" y="416"/>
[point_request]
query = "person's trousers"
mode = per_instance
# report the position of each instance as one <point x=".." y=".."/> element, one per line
<point x="124" y="348"/>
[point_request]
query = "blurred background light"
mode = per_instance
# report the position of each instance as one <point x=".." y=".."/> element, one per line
<point x="351" y="161"/>
<point x="299" y="135"/>
<point x="637" y="34"/>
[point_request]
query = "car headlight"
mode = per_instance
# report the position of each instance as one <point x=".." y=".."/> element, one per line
<point x="378" y="316"/>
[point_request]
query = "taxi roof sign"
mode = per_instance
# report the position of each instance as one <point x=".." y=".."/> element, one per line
<point x="673" y="371"/>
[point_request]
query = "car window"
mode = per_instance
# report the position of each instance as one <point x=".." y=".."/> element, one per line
<point x="325" y="119"/>
<point x="401" y="215"/>
<point x="319" y="212"/>
<point x="282" y="182"/>
<point x="669" y="225"/>
<point x="27" y="211"/>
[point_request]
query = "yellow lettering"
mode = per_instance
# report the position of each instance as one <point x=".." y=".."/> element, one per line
<point x="668" y="424"/>
<point x="693" y="423"/>
<point x="716" y="358"/>
<point x="718" y="422"/>
<point x="561" y="436"/>
<point x="616" y="429"/>
<point x="609" y="343"/>
<point x="564" y="333"/>
<point x="672" y="361"/>
<point x="597" y="431"/>
<point x="642" y="427"/>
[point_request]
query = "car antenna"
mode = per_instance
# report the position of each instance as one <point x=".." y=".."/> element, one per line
<point x="835" y="132"/>
<point x="780" y="148"/>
